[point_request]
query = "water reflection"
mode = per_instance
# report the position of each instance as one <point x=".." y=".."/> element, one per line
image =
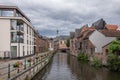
<point x="84" y="71"/>
<point x="66" y="67"/>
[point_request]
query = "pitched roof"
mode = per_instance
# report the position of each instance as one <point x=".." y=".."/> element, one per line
<point x="92" y="28"/>
<point x="87" y="34"/>
<point x="84" y="28"/>
<point x="110" y="33"/>
<point x="100" y="24"/>
<point x="111" y="27"/>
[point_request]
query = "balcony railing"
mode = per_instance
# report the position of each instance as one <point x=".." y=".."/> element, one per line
<point x="20" y="40"/>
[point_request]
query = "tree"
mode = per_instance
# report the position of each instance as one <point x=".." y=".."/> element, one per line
<point x="68" y="42"/>
<point x="114" y="47"/>
<point x="113" y="57"/>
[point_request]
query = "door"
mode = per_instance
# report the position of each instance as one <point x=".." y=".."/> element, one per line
<point x="13" y="51"/>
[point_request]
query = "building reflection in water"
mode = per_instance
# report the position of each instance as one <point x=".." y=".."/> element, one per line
<point x="66" y="67"/>
<point x="84" y="71"/>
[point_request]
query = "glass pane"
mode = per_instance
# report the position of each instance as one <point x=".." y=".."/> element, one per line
<point x="0" y="13"/>
<point x="13" y="24"/>
<point x="7" y="13"/>
<point x="13" y="37"/>
<point x="13" y="51"/>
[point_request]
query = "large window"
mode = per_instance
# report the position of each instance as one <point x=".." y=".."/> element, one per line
<point x="16" y="38"/>
<point x="17" y="25"/>
<point x="6" y="13"/>
<point x="13" y="24"/>
<point x="20" y="26"/>
<point x="13" y="37"/>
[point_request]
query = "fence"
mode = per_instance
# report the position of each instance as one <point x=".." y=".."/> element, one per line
<point x="28" y="67"/>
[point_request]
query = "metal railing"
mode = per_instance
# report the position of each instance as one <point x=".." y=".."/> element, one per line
<point x="9" y="71"/>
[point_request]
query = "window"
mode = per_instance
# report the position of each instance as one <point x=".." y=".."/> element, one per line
<point x="106" y="50"/>
<point x="18" y="14"/>
<point x="13" y="24"/>
<point x="27" y="29"/>
<point x="6" y="13"/>
<point x="16" y="38"/>
<point x="0" y="13"/>
<point x="92" y="50"/>
<point x="20" y="26"/>
<point x="21" y="39"/>
<point x="13" y="37"/>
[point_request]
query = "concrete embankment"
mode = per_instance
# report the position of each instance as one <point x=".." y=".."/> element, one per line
<point x="31" y="71"/>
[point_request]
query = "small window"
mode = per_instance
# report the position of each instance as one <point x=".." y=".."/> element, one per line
<point x="106" y="51"/>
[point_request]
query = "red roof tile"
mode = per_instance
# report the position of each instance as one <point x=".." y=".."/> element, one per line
<point x="111" y="27"/>
<point x="110" y="33"/>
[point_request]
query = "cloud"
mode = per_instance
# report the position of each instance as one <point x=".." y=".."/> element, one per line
<point x="66" y="15"/>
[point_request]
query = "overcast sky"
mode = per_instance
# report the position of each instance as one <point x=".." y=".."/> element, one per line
<point x="66" y="15"/>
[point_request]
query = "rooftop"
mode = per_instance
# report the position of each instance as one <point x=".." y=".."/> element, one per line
<point x="14" y="8"/>
<point x="110" y="33"/>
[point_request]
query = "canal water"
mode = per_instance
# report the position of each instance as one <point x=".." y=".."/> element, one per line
<point x="66" y="67"/>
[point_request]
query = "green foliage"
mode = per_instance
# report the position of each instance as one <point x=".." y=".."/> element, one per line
<point x="82" y="57"/>
<point x="1" y="58"/>
<point x="113" y="57"/>
<point x="68" y="42"/>
<point x="114" y="47"/>
<point x="118" y="38"/>
<point x="17" y="64"/>
<point x="114" y="62"/>
<point x="96" y="63"/>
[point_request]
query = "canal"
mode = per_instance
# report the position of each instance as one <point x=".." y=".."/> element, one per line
<point x="66" y="67"/>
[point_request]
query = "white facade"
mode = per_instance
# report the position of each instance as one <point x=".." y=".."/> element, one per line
<point x="99" y="40"/>
<point x="50" y="47"/>
<point x="4" y="36"/>
<point x="17" y="36"/>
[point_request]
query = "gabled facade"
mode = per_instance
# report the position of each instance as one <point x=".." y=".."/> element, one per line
<point x="92" y="39"/>
<point x="99" y="39"/>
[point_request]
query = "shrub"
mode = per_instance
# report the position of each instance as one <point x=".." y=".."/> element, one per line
<point x="114" y="62"/>
<point x="17" y="64"/>
<point x="82" y="57"/>
<point x="30" y="60"/>
<point x="114" y="47"/>
<point x="96" y="63"/>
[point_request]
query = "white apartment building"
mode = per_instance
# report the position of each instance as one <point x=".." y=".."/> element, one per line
<point x="16" y="33"/>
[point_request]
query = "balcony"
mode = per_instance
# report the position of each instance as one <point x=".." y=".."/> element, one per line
<point x="19" y="40"/>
